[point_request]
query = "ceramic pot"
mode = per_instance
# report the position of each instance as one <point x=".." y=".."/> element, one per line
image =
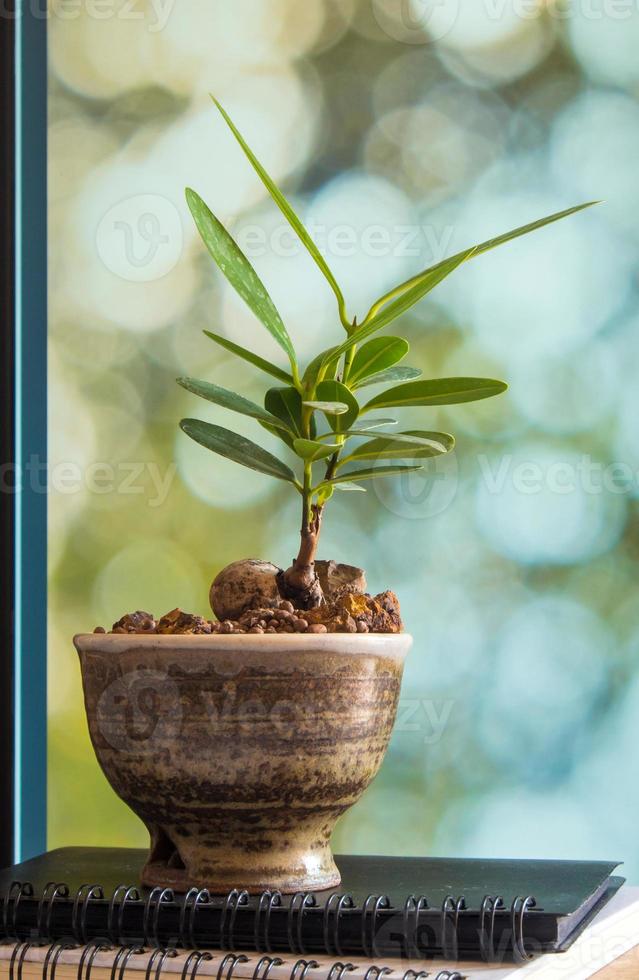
<point x="240" y="752"/>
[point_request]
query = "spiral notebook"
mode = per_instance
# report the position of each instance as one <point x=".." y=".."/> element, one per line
<point x="614" y="930"/>
<point x="414" y="908"/>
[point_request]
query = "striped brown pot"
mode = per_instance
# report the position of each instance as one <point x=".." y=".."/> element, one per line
<point x="239" y="753"/>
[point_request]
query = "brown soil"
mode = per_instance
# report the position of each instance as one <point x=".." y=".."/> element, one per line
<point x="343" y="612"/>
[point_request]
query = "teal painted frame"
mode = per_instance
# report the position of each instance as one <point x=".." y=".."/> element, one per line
<point x="30" y="431"/>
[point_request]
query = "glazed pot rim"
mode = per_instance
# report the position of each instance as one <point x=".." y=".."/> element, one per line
<point x="386" y="644"/>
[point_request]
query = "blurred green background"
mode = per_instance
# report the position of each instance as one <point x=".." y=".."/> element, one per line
<point x="403" y="131"/>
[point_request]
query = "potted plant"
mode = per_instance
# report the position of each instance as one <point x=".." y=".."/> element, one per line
<point x="240" y="741"/>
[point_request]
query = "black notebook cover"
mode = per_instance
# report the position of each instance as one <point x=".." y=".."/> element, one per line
<point x="391" y="906"/>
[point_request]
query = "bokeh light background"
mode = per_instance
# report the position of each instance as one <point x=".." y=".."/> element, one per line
<point x="403" y="131"/>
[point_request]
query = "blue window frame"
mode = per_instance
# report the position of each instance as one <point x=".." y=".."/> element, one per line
<point x="24" y="506"/>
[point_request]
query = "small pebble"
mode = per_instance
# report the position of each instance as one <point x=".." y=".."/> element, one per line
<point x="269" y="629"/>
<point x="256" y="629"/>
<point x="99" y="629"/>
<point x="317" y="628"/>
<point x="300" y="625"/>
<point x="287" y="606"/>
<point x="361" y="627"/>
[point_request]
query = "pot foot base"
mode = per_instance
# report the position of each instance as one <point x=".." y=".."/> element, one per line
<point x="288" y="864"/>
<point x="158" y="873"/>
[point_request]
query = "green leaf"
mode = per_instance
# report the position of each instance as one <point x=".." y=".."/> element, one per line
<point x="477" y="250"/>
<point x="438" y="391"/>
<point x="350" y="486"/>
<point x="329" y="408"/>
<point x="286" y="405"/>
<point x="364" y="426"/>
<point x="335" y="391"/>
<point x="422" y="285"/>
<point x="236" y="447"/>
<point x="393" y="374"/>
<point x="373" y="473"/>
<point x="311" y="451"/>
<point x="526" y="229"/>
<point x="290" y="215"/>
<point x="414" y="444"/>
<point x="238" y="270"/>
<point x="375" y="356"/>
<point x="227" y="399"/>
<point x="252" y="358"/>
<point x="324" y="494"/>
<point x="310" y="374"/>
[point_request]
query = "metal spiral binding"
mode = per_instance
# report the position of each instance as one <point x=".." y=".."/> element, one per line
<point x="190" y="904"/>
<point x="332" y="911"/>
<point x="376" y="903"/>
<point x="55" y="894"/>
<point x="83" y="897"/>
<point x="232" y="903"/>
<point x="51" y="959"/>
<point x="87" y="958"/>
<point x="118" y="903"/>
<point x="489" y="907"/>
<point x="306" y="967"/>
<point x="451" y="908"/>
<point x="157" y="960"/>
<point x="448" y="975"/>
<point x="121" y="959"/>
<point x="410" y="922"/>
<point x="20" y="951"/>
<point x="192" y="964"/>
<point x="228" y="964"/>
<point x="339" y="970"/>
<point x="299" y="903"/>
<point x="151" y="930"/>
<point x="267" y="902"/>
<point x="518" y="911"/>
<point x="264" y="967"/>
<point x="52" y="892"/>
<point x="377" y="972"/>
<point x="15" y="892"/>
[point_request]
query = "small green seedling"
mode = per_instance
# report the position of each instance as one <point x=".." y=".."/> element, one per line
<point x="323" y="413"/>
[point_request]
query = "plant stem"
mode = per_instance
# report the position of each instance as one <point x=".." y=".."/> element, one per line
<point x="349" y="355"/>
<point x="307" y="496"/>
<point x="300" y="583"/>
